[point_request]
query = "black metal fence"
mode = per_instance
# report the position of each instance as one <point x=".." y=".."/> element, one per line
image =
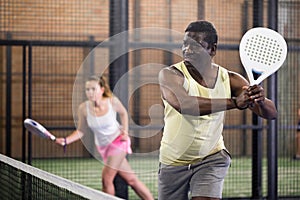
<point x="46" y="47"/>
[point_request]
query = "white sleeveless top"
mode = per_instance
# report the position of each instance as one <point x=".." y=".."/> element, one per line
<point x="106" y="128"/>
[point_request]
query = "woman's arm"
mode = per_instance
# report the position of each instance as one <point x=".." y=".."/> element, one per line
<point x="74" y="136"/>
<point x="121" y="110"/>
<point x="78" y="133"/>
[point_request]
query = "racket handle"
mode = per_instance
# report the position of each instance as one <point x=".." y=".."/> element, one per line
<point x="65" y="144"/>
<point x="49" y="135"/>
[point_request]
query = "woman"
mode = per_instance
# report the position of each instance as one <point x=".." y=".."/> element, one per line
<point x="99" y="114"/>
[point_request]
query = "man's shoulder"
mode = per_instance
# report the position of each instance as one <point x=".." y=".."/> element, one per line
<point x="225" y="70"/>
<point x="177" y="68"/>
<point x="220" y="67"/>
<point x="178" y="65"/>
<point x="237" y="80"/>
<point x="174" y="70"/>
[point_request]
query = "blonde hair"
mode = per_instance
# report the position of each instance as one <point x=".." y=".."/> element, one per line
<point x="103" y="83"/>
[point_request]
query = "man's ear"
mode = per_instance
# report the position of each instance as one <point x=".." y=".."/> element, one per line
<point x="213" y="50"/>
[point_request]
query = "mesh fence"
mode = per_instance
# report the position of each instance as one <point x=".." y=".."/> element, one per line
<point x="54" y="42"/>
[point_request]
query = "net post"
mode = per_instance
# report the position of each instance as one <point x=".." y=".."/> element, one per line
<point x="118" y="18"/>
<point x="257" y="133"/>
<point x="8" y="97"/>
<point x="272" y="160"/>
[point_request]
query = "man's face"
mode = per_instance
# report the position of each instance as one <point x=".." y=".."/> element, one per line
<point x="195" y="49"/>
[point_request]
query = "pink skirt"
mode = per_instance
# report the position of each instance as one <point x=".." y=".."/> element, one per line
<point x="116" y="147"/>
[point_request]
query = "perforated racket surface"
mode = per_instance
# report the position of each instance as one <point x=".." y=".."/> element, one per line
<point x="36" y="128"/>
<point x="262" y="51"/>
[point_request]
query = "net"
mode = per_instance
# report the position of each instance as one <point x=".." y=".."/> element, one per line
<point x="21" y="181"/>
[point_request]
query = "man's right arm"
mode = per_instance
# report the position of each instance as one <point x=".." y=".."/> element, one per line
<point x="171" y="85"/>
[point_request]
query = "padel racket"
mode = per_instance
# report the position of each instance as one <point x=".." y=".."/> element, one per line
<point x="38" y="129"/>
<point x="262" y="51"/>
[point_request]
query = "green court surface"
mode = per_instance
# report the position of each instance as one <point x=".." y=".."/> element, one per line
<point x="87" y="171"/>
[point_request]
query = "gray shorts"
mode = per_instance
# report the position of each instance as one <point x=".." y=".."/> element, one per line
<point x="202" y="179"/>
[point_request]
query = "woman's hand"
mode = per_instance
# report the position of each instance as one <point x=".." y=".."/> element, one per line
<point x="61" y="141"/>
<point x="124" y="135"/>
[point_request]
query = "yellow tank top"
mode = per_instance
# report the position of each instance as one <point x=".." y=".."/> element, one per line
<point x="188" y="139"/>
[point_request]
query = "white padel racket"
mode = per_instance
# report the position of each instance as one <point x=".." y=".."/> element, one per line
<point x="38" y="129"/>
<point x="262" y="51"/>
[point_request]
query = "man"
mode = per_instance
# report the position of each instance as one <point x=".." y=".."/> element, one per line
<point x="195" y="93"/>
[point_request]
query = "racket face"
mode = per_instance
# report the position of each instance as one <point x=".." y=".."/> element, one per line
<point x="36" y="128"/>
<point x="263" y="51"/>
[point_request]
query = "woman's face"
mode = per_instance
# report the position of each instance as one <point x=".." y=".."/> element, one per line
<point x="93" y="90"/>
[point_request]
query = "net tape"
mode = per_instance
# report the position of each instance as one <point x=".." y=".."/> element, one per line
<point x="9" y="165"/>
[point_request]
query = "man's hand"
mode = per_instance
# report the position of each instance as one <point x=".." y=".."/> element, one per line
<point x="243" y="100"/>
<point x="256" y="94"/>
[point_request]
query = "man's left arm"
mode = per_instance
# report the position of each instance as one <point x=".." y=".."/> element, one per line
<point x="261" y="105"/>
